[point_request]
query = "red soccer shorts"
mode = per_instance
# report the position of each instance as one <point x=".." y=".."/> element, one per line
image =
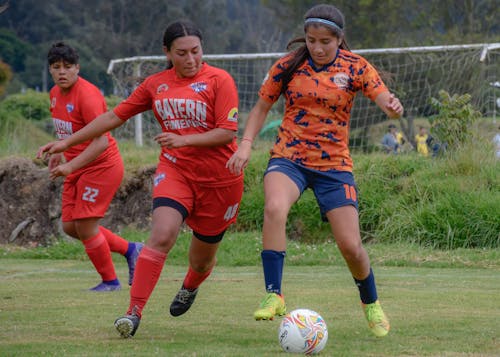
<point x="88" y="192"/>
<point x="211" y="209"/>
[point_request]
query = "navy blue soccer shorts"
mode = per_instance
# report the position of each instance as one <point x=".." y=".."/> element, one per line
<point x="332" y="188"/>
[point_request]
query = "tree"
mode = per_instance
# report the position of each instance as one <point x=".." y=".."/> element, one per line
<point x="5" y="77"/>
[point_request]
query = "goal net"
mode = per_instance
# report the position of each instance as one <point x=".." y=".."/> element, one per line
<point x="414" y="74"/>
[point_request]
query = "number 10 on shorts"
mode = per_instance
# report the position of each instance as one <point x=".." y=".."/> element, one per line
<point x="350" y="192"/>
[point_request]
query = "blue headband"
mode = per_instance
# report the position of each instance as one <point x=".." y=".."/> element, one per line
<point x="323" y="21"/>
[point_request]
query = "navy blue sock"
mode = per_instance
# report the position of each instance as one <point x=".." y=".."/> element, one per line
<point x="130" y="249"/>
<point x="367" y="289"/>
<point x="272" y="262"/>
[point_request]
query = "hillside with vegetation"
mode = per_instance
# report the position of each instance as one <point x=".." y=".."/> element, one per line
<point x="451" y="201"/>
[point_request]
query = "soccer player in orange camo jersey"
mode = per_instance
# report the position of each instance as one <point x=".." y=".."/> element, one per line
<point x="74" y="103"/>
<point x="196" y="106"/>
<point x="319" y="81"/>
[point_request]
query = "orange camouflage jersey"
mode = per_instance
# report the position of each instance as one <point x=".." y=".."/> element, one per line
<point x="318" y="101"/>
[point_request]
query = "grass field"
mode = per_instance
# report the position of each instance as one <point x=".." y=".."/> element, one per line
<point x="45" y="311"/>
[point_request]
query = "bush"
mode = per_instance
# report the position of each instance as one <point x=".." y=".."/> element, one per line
<point x="5" y="76"/>
<point x="453" y="123"/>
<point x="31" y="105"/>
<point x="444" y="203"/>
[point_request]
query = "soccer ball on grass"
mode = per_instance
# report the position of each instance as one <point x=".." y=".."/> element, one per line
<point x="303" y="331"/>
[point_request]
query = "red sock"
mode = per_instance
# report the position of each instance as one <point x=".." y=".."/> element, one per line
<point x="116" y="243"/>
<point x="147" y="272"/>
<point x="98" y="251"/>
<point x="194" y="279"/>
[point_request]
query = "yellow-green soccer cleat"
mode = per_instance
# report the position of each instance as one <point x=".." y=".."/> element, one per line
<point x="377" y="321"/>
<point x="272" y="305"/>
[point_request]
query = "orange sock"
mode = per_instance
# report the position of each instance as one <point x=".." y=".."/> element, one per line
<point x="147" y="272"/>
<point x="98" y="251"/>
<point x="194" y="279"/>
<point x="116" y="243"/>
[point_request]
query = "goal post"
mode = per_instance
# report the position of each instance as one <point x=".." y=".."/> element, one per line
<point x="414" y="74"/>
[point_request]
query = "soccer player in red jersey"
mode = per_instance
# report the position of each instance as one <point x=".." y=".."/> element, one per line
<point x="319" y="81"/>
<point x="196" y="106"/>
<point x="93" y="170"/>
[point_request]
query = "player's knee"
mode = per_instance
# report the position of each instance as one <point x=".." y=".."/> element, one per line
<point x="202" y="266"/>
<point x="275" y="211"/>
<point x="69" y="229"/>
<point x="352" y="253"/>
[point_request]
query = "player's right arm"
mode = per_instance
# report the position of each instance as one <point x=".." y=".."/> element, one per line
<point x="97" y="127"/>
<point x="255" y="121"/>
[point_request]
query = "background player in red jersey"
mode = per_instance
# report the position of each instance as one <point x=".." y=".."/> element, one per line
<point x="93" y="170"/>
<point x="319" y="81"/>
<point x="196" y="106"/>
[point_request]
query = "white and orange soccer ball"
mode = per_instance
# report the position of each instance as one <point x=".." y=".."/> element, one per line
<point x="303" y="331"/>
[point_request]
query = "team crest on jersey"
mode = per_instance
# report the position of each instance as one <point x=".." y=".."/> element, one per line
<point x="70" y="107"/>
<point x="233" y="115"/>
<point x="159" y="178"/>
<point x="161" y="88"/>
<point x="198" y="86"/>
<point x="341" y="80"/>
<point x="53" y="103"/>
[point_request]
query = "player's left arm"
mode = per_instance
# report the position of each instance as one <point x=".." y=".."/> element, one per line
<point x="214" y="137"/>
<point x="390" y="104"/>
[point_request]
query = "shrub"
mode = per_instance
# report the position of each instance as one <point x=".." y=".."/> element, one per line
<point x="30" y="105"/>
<point x="5" y="76"/>
<point x="453" y="123"/>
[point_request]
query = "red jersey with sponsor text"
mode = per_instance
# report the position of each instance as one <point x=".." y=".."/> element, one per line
<point x="185" y="106"/>
<point x="318" y="101"/>
<point x="73" y="110"/>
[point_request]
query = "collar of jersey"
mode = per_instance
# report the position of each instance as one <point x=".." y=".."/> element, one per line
<point x="324" y="67"/>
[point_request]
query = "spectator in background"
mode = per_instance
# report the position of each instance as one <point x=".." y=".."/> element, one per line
<point x="400" y="139"/>
<point x="422" y="139"/>
<point x="390" y="141"/>
<point x="496" y="142"/>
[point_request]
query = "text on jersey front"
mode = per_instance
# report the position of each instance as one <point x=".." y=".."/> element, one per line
<point x="180" y="113"/>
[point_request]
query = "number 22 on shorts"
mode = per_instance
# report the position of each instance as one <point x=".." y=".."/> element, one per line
<point x="90" y="194"/>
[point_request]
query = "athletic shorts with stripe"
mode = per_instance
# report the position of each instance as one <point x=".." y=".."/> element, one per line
<point x="208" y="209"/>
<point x="332" y="188"/>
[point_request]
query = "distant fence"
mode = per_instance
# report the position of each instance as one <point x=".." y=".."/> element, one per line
<point x="416" y="74"/>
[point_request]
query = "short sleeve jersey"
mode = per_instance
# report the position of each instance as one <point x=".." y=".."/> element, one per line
<point x="187" y="106"/>
<point x="318" y="101"/>
<point x="73" y="110"/>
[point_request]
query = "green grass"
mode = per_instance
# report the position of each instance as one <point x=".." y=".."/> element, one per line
<point x="243" y="249"/>
<point x="45" y="310"/>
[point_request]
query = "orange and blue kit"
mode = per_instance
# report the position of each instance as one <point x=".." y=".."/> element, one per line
<point x="315" y="129"/>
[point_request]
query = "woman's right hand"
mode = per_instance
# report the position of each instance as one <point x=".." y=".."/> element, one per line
<point x="53" y="147"/>
<point x="55" y="160"/>
<point x="240" y="158"/>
